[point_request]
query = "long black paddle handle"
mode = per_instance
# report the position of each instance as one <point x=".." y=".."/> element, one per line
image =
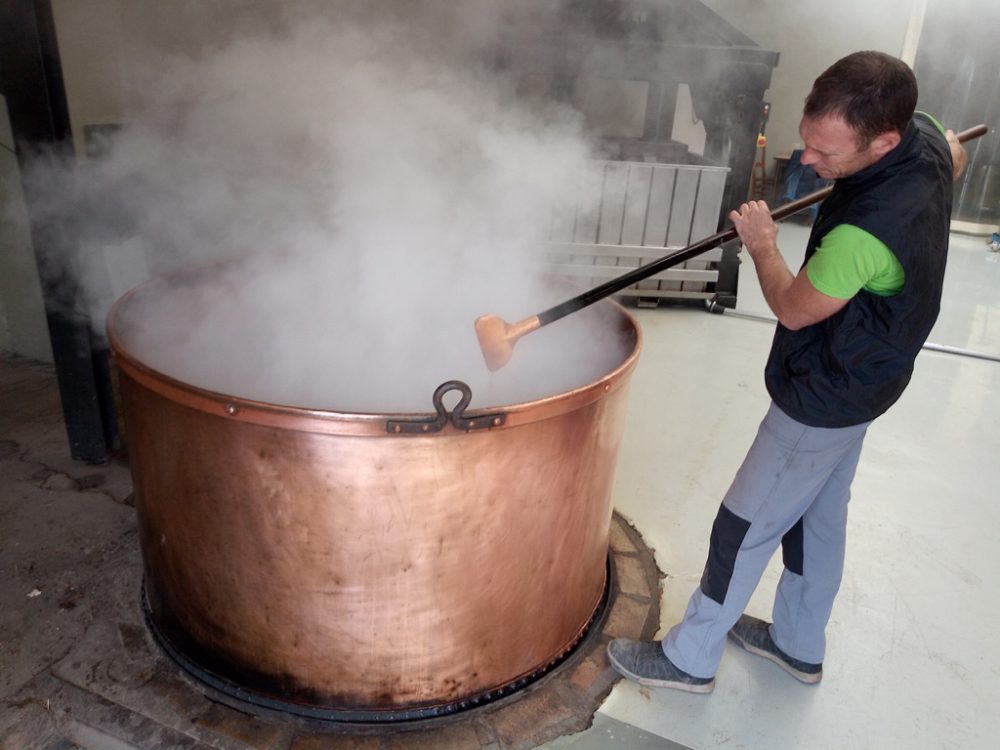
<point x="686" y="253"/>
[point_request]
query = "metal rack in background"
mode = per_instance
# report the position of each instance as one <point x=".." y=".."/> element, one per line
<point x="630" y="213"/>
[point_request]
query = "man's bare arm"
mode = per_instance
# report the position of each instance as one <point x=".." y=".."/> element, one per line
<point x="793" y="299"/>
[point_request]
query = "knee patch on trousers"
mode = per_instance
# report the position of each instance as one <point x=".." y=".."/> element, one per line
<point x="792" y="553"/>
<point x="728" y="533"/>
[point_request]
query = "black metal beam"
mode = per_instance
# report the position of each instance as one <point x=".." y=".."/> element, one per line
<point x="32" y="83"/>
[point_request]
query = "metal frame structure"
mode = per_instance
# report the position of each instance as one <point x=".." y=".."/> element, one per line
<point x="628" y="214"/>
<point x="32" y="83"/>
<point x="664" y="43"/>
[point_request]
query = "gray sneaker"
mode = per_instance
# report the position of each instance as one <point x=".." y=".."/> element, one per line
<point x="644" y="662"/>
<point x="755" y="636"/>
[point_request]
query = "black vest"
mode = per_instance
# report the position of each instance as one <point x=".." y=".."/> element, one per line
<point x="851" y="367"/>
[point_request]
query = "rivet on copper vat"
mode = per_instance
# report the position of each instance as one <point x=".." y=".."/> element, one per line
<point x="356" y="565"/>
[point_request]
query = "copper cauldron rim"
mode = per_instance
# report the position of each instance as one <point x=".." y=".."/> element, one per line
<point x="351" y="423"/>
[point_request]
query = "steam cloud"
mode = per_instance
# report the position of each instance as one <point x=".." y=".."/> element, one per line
<point x="373" y="188"/>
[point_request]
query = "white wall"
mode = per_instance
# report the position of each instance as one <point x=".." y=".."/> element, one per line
<point x="23" y="329"/>
<point x="89" y="34"/>
<point x="810" y="36"/>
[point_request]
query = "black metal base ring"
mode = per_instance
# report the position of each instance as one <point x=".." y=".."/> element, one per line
<point x="232" y="694"/>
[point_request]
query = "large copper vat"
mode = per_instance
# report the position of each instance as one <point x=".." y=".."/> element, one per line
<point x="370" y="565"/>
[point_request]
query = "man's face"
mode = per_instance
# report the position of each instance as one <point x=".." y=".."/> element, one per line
<point x="831" y="148"/>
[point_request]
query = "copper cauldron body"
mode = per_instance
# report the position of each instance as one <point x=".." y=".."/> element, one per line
<point x="320" y="559"/>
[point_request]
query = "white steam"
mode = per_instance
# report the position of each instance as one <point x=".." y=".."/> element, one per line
<point x="372" y="198"/>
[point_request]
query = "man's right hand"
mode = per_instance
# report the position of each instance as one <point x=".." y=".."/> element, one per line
<point x="756" y="228"/>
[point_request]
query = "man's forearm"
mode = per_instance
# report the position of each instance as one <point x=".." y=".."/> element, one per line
<point x="793" y="299"/>
<point x="774" y="277"/>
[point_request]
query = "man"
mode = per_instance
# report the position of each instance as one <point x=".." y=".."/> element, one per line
<point x="850" y="325"/>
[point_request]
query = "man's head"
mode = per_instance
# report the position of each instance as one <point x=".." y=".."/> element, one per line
<point x="856" y="113"/>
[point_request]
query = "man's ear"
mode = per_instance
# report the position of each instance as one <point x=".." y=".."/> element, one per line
<point x="884" y="143"/>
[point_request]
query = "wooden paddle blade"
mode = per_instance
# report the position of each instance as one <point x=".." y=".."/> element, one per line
<point x="491" y="330"/>
<point x="497" y="337"/>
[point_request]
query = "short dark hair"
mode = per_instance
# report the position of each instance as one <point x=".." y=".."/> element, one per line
<point x="873" y="92"/>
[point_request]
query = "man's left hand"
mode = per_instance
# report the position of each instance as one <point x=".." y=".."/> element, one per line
<point x="959" y="157"/>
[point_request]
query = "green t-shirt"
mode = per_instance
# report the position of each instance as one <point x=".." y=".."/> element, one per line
<point x="849" y="259"/>
<point x="933" y="120"/>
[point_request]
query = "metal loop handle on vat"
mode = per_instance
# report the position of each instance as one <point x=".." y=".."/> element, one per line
<point x="458" y="418"/>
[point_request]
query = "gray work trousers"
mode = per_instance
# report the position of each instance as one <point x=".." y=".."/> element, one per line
<point x="792" y="489"/>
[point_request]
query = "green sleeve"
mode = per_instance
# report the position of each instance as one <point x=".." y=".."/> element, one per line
<point x="933" y="121"/>
<point x="850" y="259"/>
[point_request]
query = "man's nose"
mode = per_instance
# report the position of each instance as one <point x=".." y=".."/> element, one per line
<point x="808" y="157"/>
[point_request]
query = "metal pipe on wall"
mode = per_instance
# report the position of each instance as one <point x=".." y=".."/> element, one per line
<point x="929" y="346"/>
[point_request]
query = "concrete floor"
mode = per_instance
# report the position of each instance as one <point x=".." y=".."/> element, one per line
<point x="68" y="546"/>
<point x="912" y="659"/>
